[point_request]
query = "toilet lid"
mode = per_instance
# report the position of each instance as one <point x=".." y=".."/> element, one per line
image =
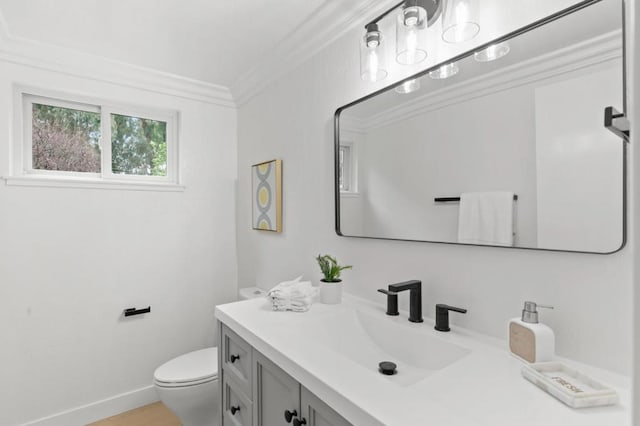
<point x="196" y="366"/>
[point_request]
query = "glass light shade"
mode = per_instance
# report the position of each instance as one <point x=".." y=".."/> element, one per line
<point x="460" y="20"/>
<point x="410" y="39"/>
<point x="408" y="86"/>
<point x="493" y="52"/>
<point x="413" y="15"/>
<point x="445" y="71"/>
<point x="372" y="56"/>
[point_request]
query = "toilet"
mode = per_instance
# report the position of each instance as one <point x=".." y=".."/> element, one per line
<point x="188" y="384"/>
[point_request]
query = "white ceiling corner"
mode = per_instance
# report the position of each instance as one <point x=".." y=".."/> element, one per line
<point x="38" y="54"/>
<point x="177" y="35"/>
<point x="4" y="34"/>
<point x="332" y="20"/>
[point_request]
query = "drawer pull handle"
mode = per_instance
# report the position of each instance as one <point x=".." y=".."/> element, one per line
<point x="234" y="410"/>
<point x="288" y="415"/>
<point x="234" y="358"/>
<point x="297" y="422"/>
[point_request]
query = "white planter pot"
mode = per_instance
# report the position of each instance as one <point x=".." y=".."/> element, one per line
<point x="330" y="292"/>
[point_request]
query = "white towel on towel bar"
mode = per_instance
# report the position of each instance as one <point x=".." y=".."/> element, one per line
<point x="486" y="218"/>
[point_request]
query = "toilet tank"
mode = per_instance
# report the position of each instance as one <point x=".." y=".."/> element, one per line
<point x="251" y="293"/>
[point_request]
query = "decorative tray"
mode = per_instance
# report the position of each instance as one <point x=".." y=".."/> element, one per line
<point x="570" y="386"/>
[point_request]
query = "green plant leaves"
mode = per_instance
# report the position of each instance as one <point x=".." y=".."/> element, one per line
<point x="330" y="267"/>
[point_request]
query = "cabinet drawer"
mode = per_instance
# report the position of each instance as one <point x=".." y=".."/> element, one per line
<point x="237" y="409"/>
<point x="236" y="359"/>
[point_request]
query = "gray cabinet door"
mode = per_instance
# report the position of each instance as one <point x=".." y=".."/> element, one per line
<point x="274" y="392"/>
<point x="237" y="409"/>
<point x="317" y="413"/>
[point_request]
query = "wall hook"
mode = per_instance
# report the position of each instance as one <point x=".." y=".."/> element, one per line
<point x="617" y="122"/>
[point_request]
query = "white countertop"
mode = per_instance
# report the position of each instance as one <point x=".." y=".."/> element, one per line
<point x="483" y="388"/>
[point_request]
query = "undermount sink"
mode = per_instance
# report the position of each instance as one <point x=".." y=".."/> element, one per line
<point x="369" y="337"/>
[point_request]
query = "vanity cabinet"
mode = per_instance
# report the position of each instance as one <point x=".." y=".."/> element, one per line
<point x="317" y="413"/>
<point x="237" y="359"/>
<point x="265" y="395"/>
<point x="238" y="409"/>
<point x="275" y="393"/>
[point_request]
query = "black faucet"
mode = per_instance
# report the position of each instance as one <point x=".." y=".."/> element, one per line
<point x="442" y="316"/>
<point x="392" y="301"/>
<point x="415" y="298"/>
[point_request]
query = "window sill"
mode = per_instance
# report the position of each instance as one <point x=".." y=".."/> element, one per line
<point x="90" y="183"/>
<point x="348" y="194"/>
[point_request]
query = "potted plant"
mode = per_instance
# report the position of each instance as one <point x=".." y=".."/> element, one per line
<point x="331" y="284"/>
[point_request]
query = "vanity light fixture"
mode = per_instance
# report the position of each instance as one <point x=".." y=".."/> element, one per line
<point x="408" y="86"/>
<point x="459" y="21"/>
<point x="372" y="67"/>
<point x="410" y="41"/>
<point x="493" y="52"/>
<point x="445" y="71"/>
<point x="459" y="24"/>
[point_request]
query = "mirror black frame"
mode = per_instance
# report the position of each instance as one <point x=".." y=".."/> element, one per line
<point x="522" y="30"/>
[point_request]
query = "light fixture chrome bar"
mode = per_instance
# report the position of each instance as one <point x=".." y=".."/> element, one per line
<point x="385" y="13"/>
<point x="433" y="8"/>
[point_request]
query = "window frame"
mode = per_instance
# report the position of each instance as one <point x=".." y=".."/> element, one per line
<point x="23" y="173"/>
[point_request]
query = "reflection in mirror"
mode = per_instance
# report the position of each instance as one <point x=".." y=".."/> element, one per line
<point x="521" y="121"/>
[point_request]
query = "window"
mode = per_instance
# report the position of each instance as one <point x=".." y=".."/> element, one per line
<point x="73" y="140"/>
<point x="138" y="146"/>
<point x="65" y="139"/>
<point x="346" y="168"/>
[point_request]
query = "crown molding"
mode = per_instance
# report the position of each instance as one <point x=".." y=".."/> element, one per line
<point x="352" y="124"/>
<point x="580" y="55"/>
<point x="71" y="62"/>
<point x="332" y="20"/>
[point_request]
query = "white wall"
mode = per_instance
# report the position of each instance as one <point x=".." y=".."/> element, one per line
<point x="633" y="65"/>
<point x="292" y="120"/>
<point x="405" y="165"/>
<point x="72" y="259"/>
<point x="574" y="150"/>
<point x="534" y="139"/>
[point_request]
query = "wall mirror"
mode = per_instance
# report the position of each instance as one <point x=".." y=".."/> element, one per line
<point x="529" y="123"/>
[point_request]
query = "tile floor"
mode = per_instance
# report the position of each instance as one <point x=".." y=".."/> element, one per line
<point x="155" y="414"/>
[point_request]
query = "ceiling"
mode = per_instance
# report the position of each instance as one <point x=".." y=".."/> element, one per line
<point x="215" y="41"/>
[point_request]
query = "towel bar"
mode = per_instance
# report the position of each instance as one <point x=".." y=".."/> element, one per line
<point x="453" y="199"/>
<point x="133" y="311"/>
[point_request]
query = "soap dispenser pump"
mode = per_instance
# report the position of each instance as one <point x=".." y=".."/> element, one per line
<point x="530" y="340"/>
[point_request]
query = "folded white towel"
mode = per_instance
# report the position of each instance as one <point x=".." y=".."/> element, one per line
<point x="294" y="295"/>
<point x="486" y="218"/>
<point x="292" y="305"/>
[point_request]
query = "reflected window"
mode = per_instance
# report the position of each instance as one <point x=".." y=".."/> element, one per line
<point x="345" y="168"/>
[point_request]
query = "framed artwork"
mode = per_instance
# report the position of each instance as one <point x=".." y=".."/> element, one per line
<point x="266" y="190"/>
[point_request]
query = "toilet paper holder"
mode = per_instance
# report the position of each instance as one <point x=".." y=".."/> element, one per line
<point x="133" y="311"/>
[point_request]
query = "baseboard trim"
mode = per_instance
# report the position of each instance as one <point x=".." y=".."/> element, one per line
<point x="100" y="409"/>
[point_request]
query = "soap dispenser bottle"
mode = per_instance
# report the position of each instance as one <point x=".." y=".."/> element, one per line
<point x="530" y="340"/>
